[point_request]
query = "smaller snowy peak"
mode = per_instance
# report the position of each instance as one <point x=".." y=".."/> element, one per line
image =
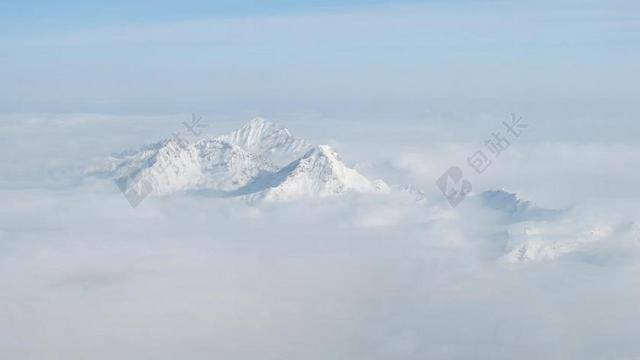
<point x="162" y="167"/>
<point x="542" y="243"/>
<point x="269" y="140"/>
<point x="514" y="209"/>
<point x="319" y="173"/>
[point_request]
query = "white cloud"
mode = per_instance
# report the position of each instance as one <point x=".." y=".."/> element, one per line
<point x="84" y="275"/>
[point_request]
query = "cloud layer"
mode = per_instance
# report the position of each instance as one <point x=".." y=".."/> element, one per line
<point x="380" y="277"/>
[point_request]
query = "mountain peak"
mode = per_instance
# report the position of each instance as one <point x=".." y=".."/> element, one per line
<point x="515" y="209"/>
<point x="319" y="173"/>
<point x="269" y="140"/>
<point x="323" y="150"/>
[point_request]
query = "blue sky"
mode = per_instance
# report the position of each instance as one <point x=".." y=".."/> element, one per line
<point x="46" y="14"/>
<point x="361" y="56"/>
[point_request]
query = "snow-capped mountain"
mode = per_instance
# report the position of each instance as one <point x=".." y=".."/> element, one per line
<point x="319" y="173"/>
<point x="583" y="238"/>
<point x="247" y="162"/>
<point x="537" y="242"/>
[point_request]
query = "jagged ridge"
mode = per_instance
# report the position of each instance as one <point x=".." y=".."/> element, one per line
<point x="244" y="162"/>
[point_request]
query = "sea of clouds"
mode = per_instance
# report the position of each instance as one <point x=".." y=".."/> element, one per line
<point x="84" y="275"/>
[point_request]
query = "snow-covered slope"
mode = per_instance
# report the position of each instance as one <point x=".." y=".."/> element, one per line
<point x="548" y="242"/>
<point x="268" y="140"/>
<point x="527" y="233"/>
<point x="245" y="162"/>
<point x="160" y="167"/>
<point x="170" y="166"/>
<point x="319" y="173"/>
